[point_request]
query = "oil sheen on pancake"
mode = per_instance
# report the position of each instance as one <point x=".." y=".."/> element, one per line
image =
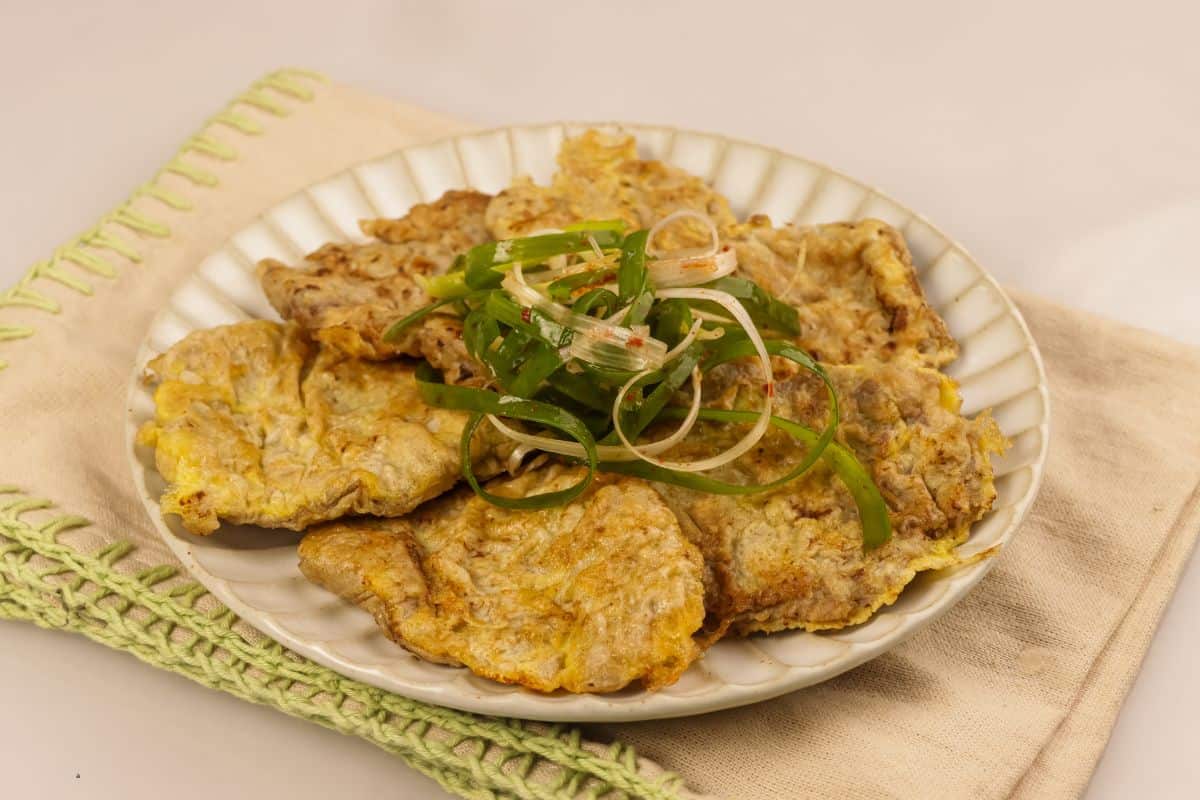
<point x="346" y="295"/>
<point x="587" y="598"/>
<point x="853" y="285"/>
<point x="601" y="177"/>
<point x="793" y="557"/>
<point x="316" y="424"/>
<point x="256" y="425"/>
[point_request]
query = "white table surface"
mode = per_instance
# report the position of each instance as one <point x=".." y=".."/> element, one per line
<point x="1058" y="141"/>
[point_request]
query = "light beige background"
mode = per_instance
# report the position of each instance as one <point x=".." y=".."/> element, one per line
<point x="1058" y="141"/>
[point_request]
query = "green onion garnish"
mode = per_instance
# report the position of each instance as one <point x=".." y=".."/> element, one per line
<point x="615" y="225"/>
<point x="766" y="310"/>
<point x="399" y="326"/>
<point x="872" y="509"/>
<point x="564" y="289"/>
<point x="481" y="402"/>
<point x="487" y="263"/>
<point x="590" y="335"/>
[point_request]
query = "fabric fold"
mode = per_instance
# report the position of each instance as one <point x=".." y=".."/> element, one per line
<point x="1011" y="694"/>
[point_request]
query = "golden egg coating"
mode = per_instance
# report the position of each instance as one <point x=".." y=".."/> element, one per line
<point x="346" y="295"/>
<point x="256" y="425"/>
<point x="586" y="598"/>
<point x="793" y="557"/>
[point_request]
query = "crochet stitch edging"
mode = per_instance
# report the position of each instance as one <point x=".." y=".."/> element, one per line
<point x="85" y="254"/>
<point x="475" y="757"/>
<point x="54" y="585"/>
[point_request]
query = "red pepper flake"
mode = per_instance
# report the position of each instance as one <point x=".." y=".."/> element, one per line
<point x="769" y="388"/>
<point x="636" y="341"/>
<point x="526" y="314"/>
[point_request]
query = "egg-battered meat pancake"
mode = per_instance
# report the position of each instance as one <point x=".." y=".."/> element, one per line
<point x="588" y="597"/>
<point x="318" y="424"/>
<point x="255" y="425"/>
<point x="793" y="557"/>
<point x="601" y="177"/>
<point x="347" y="295"/>
<point x="853" y="285"/>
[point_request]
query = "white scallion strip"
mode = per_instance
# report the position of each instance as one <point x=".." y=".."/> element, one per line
<point x="565" y="266"/>
<point x="551" y="275"/>
<point x="610" y="355"/>
<point x="670" y="273"/>
<point x="698" y="252"/>
<point x="563" y="447"/>
<point x="611" y="345"/>
<point x="595" y="341"/>
<point x="684" y="343"/>
<point x="647" y="452"/>
<point x="606" y="452"/>
<point x="517" y="456"/>
<point x="801" y="258"/>
<point x="689" y="266"/>
<point x="730" y="304"/>
<point x="595" y="247"/>
<point x="710" y="317"/>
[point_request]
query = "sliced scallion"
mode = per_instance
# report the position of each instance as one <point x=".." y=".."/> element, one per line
<point x="481" y="402"/>
<point x="591" y="334"/>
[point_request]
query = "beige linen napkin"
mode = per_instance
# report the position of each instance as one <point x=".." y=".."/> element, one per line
<point x="1014" y="692"/>
<point x="1011" y="694"/>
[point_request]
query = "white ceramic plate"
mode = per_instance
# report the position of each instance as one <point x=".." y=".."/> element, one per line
<point x="255" y="572"/>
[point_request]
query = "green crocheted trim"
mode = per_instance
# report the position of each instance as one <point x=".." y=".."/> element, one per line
<point x="162" y="622"/>
<point x="169" y="621"/>
<point x="118" y="231"/>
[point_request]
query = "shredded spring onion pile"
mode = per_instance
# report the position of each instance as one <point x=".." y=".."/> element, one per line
<point x="590" y="332"/>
